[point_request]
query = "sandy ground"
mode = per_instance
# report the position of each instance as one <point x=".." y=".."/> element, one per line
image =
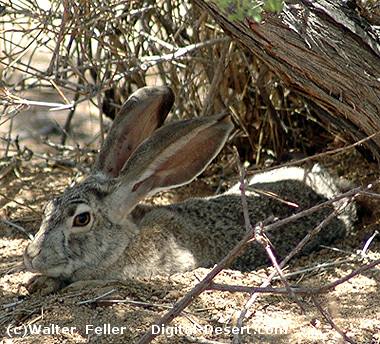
<point x="80" y="314"/>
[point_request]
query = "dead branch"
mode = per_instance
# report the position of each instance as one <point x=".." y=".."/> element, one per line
<point x="299" y="290"/>
<point x="314" y="157"/>
<point x="231" y="256"/>
<point x="329" y="319"/>
<point x="19" y="228"/>
<point x="261" y="238"/>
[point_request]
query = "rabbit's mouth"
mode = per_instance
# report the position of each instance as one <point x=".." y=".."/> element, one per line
<point x="56" y="271"/>
<point x="33" y="264"/>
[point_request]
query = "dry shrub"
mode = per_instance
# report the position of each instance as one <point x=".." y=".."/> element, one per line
<point x="101" y="51"/>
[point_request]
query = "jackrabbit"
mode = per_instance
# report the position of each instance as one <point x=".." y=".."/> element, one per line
<point x="97" y="230"/>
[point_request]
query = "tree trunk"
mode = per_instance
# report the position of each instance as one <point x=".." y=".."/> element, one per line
<point x="325" y="51"/>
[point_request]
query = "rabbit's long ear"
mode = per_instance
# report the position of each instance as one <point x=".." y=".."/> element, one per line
<point x="174" y="155"/>
<point x="143" y="112"/>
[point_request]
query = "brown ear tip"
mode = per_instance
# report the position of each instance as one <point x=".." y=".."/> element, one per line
<point x="164" y="92"/>
<point x="169" y="95"/>
<point x="163" y="89"/>
<point x="166" y="89"/>
<point x="226" y="118"/>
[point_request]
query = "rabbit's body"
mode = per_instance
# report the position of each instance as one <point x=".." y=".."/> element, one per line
<point x="97" y="230"/>
<point x="200" y="231"/>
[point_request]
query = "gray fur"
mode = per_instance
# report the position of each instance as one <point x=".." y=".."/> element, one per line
<point x="125" y="240"/>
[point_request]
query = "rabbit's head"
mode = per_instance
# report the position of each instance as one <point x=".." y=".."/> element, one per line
<point x="86" y="229"/>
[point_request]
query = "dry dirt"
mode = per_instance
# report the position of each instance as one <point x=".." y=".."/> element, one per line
<point x="133" y="306"/>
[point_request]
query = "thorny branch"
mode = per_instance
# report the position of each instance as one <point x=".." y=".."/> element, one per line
<point x="207" y="282"/>
<point x="307" y="291"/>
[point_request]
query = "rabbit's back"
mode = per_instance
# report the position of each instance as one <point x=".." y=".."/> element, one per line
<point x="210" y="227"/>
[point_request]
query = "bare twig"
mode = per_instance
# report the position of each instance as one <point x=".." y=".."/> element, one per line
<point x="67" y="125"/>
<point x="323" y="154"/>
<point x="217" y="78"/>
<point x="329" y="319"/>
<point x="12" y="304"/>
<point x="349" y="194"/>
<point x="97" y="298"/>
<point x="232" y="255"/>
<point x="296" y="290"/>
<point x="19" y="228"/>
<point x="261" y="238"/>
<point x="316" y="267"/>
<point x="54" y="106"/>
<point x="266" y="283"/>
<point x="368" y="243"/>
<point x="133" y="302"/>
<point x="225" y="262"/>
<point x="198" y="289"/>
<point x="19" y="203"/>
<point x="265" y="243"/>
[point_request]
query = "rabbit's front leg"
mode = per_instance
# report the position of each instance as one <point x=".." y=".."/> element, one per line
<point x="44" y="285"/>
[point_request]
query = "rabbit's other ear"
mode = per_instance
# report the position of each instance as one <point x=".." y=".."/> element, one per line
<point x="143" y="112"/>
<point x="174" y="155"/>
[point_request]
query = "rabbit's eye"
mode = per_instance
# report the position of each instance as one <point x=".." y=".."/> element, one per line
<point x="82" y="219"/>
